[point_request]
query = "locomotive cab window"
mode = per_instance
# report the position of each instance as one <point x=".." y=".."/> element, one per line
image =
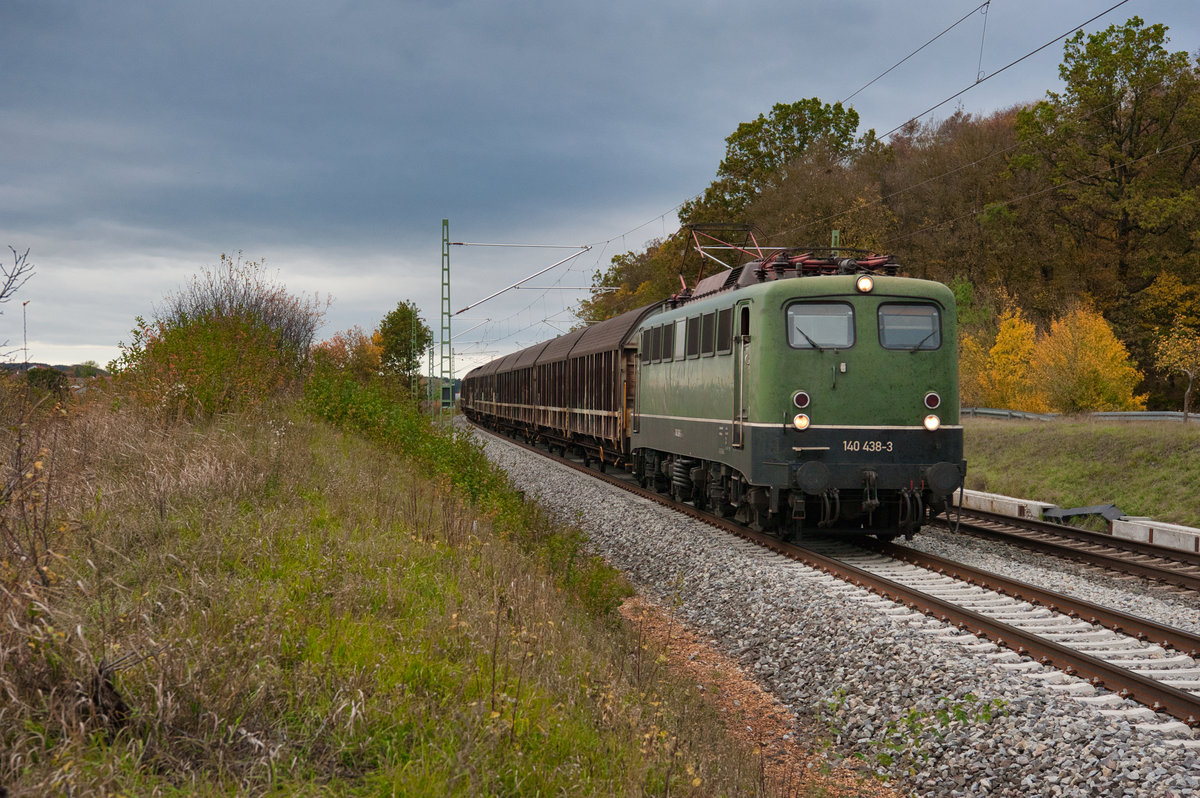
<point x="668" y="341"/>
<point x="911" y="327"/>
<point x="820" y="325"/>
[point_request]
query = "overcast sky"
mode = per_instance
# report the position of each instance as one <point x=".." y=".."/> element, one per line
<point x="140" y="140"/>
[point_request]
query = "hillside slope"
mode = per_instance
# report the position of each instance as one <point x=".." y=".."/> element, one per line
<point x="1145" y="468"/>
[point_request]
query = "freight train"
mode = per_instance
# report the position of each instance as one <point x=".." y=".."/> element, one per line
<point x="795" y="391"/>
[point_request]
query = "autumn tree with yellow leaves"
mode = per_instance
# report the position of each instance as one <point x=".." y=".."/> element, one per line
<point x="1081" y="366"/>
<point x="999" y="375"/>
<point x="1178" y="351"/>
<point x="352" y="351"/>
<point x="1077" y="366"/>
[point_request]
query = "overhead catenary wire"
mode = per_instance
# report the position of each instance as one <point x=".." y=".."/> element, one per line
<point x="1009" y="65"/>
<point x="919" y="49"/>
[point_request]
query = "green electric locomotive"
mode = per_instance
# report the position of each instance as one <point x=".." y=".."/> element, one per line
<point x="800" y="392"/>
<point x="793" y="392"/>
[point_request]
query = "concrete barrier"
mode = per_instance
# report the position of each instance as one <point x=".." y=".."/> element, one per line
<point x="1143" y="530"/>
<point x="1003" y="505"/>
<point x="1169" y="536"/>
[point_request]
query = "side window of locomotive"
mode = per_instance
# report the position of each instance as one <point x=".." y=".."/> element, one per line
<point x="820" y="325"/>
<point x="644" y="349"/>
<point x="725" y="331"/>
<point x="680" y="340"/>
<point x="693" y="336"/>
<point x="911" y="327"/>
<point x="708" y="334"/>
<point x="656" y="344"/>
<point x="668" y="341"/>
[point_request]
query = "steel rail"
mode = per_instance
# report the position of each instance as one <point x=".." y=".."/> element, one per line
<point x="1158" y="696"/>
<point x="1180" y="567"/>
<point x="1183" y="641"/>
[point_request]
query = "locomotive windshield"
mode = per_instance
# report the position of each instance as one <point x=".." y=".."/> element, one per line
<point x="821" y="325"/>
<point x="911" y="327"/>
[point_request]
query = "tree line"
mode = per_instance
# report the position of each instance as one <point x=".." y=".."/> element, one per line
<point x="1071" y="217"/>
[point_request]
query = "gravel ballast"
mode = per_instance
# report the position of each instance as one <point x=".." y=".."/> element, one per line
<point x="930" y="710"/>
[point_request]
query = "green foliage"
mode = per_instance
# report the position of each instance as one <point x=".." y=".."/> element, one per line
<point x="403" y="339"/>
<point x="228" y="342"/>
<point x="1120" y="145"/>
<point x="756" y="150"/>
<point x="242" y="289"/>
<point x="200" y="367"/>
<point x="51" y="381"/>
<point x="88" y="368"/>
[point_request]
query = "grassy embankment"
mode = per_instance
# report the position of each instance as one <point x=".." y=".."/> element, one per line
<point x="1145" y="468"/>
<point x="323" y="598"/>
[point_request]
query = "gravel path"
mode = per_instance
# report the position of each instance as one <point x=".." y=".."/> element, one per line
<point x="932" y="711"/>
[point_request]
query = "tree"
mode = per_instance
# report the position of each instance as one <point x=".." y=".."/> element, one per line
<point x="12" y="279"/>
<point x="403" y="339"/>
<point x="1122" y="143"/>
<point x="1178" y="350"/>
<point x="88" y="368"/>
<point x="237" y="288"/>
<point x="634" y="280"/>
<point x="50" y="380"/>
<point x="352" y="352"/>
<point x="1082" y="366"/>
<point x="756" y="150"/>
<point x="1008" y="380"/>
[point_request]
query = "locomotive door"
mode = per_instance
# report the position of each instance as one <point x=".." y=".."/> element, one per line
<point x="741" y="372"/>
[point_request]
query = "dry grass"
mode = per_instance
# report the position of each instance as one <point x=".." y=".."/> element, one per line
<point x="263" y="604"/>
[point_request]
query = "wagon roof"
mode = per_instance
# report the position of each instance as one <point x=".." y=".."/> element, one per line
<point x="558" y="348"/>
<point x="529" y="355"/>
<point x="492" y="366"/>
<point x="612" y="333"/>
<point x="509" y="361"/>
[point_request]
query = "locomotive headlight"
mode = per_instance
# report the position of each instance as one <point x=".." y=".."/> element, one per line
<point x="932" y="422"/>
<point x="801" y="399"/>
<point x="800" y="421"/>
<point x="932" y="400"/>
<point x="864" y="283"/>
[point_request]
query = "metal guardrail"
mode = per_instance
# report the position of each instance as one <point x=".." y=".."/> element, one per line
<point x="1145" y="415"/>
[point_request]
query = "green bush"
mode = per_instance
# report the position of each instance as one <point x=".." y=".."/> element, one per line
<point x="227" y="343"/>
<point x="49" y="380"/>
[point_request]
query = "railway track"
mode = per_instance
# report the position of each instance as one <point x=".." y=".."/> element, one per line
<point x="1149" y="663"/>
<point x="1180" y="569"/>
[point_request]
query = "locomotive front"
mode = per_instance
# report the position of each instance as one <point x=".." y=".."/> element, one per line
<point x="864" y="368"/>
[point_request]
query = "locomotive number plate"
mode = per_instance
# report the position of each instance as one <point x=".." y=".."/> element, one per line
<point x="866" y="446"/>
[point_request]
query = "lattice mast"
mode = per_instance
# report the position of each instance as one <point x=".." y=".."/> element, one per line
<point x="447" y="353"/>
